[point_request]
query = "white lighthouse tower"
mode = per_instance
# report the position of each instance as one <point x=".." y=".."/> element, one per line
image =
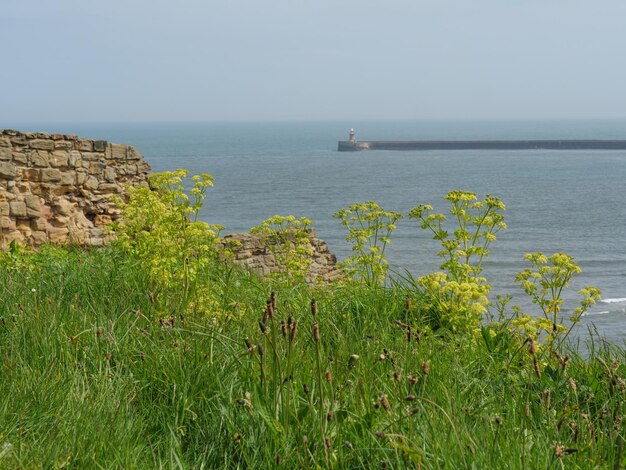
<point x="352" y="136"/>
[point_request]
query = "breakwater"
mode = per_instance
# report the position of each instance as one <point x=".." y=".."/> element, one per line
<point x="354" y="145"/>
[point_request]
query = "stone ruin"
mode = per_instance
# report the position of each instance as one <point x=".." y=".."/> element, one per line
<point x="254" y="255"/>
<point x="59" y="188"/>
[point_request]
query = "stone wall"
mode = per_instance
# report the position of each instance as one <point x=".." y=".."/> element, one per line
<point x="58" y="188"/>
<point x="252" y="254"/>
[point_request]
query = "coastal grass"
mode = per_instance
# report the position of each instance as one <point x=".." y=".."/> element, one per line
<point x="94" y="375"/>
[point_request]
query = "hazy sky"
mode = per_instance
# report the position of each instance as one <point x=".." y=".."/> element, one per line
<point x="212" y="60"/>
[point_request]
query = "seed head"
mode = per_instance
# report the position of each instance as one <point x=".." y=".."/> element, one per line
<point x="425" y="367"/>
<point x="572" y="384"/>
<point x="293" y="331"/>
<point x="548" y="397"/>
<point x="262" y="327"/>
<point x="260" y="350"/>
<point x="314" y="309"/>
<point x="283" y="328"/>
<point x="410" y="398"/>
<point x="316" y="332"/>
<point x="384" y="402"/>
<point x="329" y="376"/>
<point x="614" y="365"/>
<point x="273" y="300"/>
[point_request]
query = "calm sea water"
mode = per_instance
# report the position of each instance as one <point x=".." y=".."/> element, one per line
<point x="570" y="201"/>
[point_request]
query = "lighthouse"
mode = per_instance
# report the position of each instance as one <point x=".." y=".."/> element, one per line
<point x="352" y="137"/>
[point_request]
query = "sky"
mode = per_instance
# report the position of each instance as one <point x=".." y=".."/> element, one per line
<point x="282" y="60"/>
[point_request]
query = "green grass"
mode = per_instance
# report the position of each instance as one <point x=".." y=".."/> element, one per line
<point x="93" y="376"/>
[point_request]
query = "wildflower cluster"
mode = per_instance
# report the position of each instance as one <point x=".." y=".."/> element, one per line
<point x="369" y="230"/>
<point x="288" y="240"/>
<point x="459" y="293"/>
<point x="544" y="282"/>
<point x="160" y="227"/>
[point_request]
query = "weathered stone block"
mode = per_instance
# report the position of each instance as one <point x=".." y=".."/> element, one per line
<point x="8" y="170"/>
<point x="39" y="224"/>
<point x="99" y="145"/>
<point x="20" y="157"/>
<point x="18" y="209"/>
<point x="31" y="174"/>
<point x="109" y="174"/>
<point x="74" y="158"/>
<point x="68" y="178"/>
<point x="91" y="156"/>
<point x="6" y="224"/>
<point x="110" y="188"/>
<point x="32" y="202"/>
<point x="63" y="207"/>
<point x="59" y="159"/>
<point x="50" y="174"/>
<point x="85" y="146"/>
<point x="5" y="153"/>
<point x="58" y="234"/>
<point x="4" y="208"/>
<point x="38" y="189"/>
<point x="40" y="158"/>
<point x="19" y="141"/>
<point x="116" y="152"/>
<point x="56" y="136"/>
<point x="63" y="145"/>
<point x="5" y="142"/>
<point x="91" y="183"/>
<point x="63" y="190"/>
<point x="133" y="154"/>
<point x="97" y="168"/>
<point x="41" y="144"/>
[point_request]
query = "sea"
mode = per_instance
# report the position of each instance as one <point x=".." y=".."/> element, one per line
<point x="557" y="201"/>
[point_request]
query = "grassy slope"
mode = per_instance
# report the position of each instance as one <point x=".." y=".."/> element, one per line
<point x="92" y="377"/>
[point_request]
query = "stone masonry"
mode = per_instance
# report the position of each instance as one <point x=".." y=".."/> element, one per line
<point x="59" y="188"/>
<point x="252" y="254"/>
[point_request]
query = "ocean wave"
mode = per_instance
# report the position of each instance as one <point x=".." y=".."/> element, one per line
<point x="590" y="314"/>
<point x="614" y="301"/>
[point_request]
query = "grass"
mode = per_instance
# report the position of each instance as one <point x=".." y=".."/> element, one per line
<point x="94" y="376"/>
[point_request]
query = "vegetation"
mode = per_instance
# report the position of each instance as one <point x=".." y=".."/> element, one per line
<point x="139" y="355"/>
